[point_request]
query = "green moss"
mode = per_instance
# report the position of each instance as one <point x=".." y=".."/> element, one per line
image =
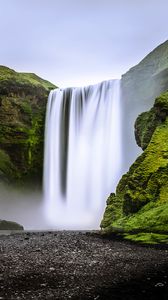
<point x="7" y="169"/>
<point x="36" y="80"/>
<point x="23" y="79"/>
<point x="25" y="108"/>
<point x="148" y="238"/>
<point x="150" y="175"/>
<point x="141" y="200"/>
<point x="23" y="99"/>
<point x="112" y="212"/>
<point x="152" y="217"/>
<point x="161" y="102"/>
<point x="145" y="126"/>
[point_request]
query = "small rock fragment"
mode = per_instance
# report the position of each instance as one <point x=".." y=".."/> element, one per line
<point x="51" y="269"/>
<point x="159" y="284"/>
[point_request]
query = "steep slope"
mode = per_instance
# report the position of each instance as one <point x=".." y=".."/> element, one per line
<point x="147" y="79"/>
<point x="140" y="86"/>
<point x="141" y="199"/>
<point x="23" y="98"/>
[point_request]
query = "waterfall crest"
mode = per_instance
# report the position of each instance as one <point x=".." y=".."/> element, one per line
<point x="82" y="153"/>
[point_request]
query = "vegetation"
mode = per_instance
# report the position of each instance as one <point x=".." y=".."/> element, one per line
<point x="147" y="238"/>
<point x="19" y="80"/>
<point x="23" y="99"/>
<point x="141" y="200"/>
<point x="9" y="225"/>
<point x="139" y="87"/>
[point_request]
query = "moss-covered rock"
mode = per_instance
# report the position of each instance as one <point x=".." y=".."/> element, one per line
<point x="141" y="199"/>
<point x="147" y="122"/>
<point x="23" y="99"/>
<point x="9" y="225"/>
<point x="147" y="238"/>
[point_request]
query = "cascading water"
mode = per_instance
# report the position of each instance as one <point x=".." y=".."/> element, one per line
<point x="82" y="154"/>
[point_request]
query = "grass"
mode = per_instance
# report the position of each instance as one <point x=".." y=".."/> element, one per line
<point x="24" y="78"/>
<point x="147" y="238"/>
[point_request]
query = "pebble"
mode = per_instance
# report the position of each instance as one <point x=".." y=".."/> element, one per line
<point x="77" y="265"/>
<point x="52" y="269"/>
<point x="159" y="284"/>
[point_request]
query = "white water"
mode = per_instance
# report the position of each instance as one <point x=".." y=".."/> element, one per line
<point x="90" y="157"/>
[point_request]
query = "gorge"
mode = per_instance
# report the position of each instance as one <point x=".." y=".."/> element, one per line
<point x="23" y="99"/>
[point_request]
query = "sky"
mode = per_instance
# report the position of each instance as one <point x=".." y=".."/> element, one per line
<point x="79" y="42"/>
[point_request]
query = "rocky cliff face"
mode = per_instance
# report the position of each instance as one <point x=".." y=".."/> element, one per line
<point x="140" y="86"/>
<point x="23" y="99"/>
<point x="141" y="199"/>
<point x="149" y="78"/>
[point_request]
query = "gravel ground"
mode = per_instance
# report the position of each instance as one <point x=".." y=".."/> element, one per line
<point x="79" y="265"/>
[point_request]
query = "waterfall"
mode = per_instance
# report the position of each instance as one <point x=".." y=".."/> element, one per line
<point x="82" y="154"/>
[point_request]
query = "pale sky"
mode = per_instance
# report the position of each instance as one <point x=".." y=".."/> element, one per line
<point x="79" y="42"/>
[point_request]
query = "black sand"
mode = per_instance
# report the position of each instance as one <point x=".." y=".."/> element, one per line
<point x="78" y="265"/>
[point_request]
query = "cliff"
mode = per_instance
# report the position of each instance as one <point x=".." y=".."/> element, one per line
<point x="141" y="200"/>
<point x="23" y="99"/>
<point x="147" y="79"/>
<point x="140" y="86"/>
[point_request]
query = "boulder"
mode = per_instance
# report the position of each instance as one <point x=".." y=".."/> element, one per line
<point x="9" y="225"/>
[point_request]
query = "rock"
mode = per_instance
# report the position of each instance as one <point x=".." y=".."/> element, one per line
<point x="147" y="122"/>
<point x="9" y="225"/>
<point x="140" y="86"/>
<point x="141" y="202"/>
<point x="159" y="284"/>
<point x="23" y="99"/>
<point x="52" y="269"/>
<point x="142" y="83"/>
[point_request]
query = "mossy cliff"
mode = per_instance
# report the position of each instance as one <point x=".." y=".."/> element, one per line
<point x="140" y="86"/>
<point x="23" y="99"/>
<point x="141" y="200"/>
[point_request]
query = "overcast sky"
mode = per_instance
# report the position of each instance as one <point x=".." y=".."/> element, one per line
<point x="77" y="42"/>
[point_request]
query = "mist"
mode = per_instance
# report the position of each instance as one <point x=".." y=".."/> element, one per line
<point x="25" y="208"/>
